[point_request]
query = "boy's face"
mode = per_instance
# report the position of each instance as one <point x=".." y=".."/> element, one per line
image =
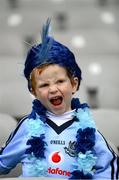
<point x="54" y="89"/>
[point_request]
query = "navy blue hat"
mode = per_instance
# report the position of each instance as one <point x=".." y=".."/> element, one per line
<point x="51" y="52"/>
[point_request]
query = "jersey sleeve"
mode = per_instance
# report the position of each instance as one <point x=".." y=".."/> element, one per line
<point x="14" y="150"/>
<point x="107" y="166"/>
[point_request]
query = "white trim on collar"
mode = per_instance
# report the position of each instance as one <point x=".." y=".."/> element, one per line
<point x="60" y="119"/>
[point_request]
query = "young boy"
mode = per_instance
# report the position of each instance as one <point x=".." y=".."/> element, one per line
<point x="59" y="138"/>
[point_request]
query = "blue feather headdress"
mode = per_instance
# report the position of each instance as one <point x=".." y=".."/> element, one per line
<point x="50" y="51"/>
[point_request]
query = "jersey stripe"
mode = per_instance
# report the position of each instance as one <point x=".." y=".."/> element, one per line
<point x="117" y="173"/>
<point x="13" y="134"/>
<point x="113" y="159"/>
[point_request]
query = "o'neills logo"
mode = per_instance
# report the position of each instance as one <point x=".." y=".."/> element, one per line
<point x="58" y="171"/>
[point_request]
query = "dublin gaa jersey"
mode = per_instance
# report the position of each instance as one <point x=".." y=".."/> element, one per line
<point x="60" y="152"/>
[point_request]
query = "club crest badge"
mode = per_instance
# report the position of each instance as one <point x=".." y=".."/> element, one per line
<point x="71" y="150"/>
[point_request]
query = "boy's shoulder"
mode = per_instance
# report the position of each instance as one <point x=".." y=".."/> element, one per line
<point x="22" y="120"/>
<point x="19" y="130"/>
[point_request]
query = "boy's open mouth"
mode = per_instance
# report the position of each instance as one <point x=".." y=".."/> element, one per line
<point x="56" y="100"/>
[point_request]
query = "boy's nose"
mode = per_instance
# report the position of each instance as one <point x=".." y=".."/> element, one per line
<point x="53" y="89"/>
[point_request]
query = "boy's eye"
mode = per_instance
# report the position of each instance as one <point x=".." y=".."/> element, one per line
<point x="43" y="85"/>
<point x="61" y="81"/>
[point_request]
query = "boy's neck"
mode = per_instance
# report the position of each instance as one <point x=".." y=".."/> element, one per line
<point x="62" y="118"/>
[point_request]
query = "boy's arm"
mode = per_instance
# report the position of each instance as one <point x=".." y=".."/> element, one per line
<point x="14" y="150"/>
<point x="107" y="166"/>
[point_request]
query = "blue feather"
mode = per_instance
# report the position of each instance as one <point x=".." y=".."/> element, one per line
<point x="46" y="42"/>
<point x="45" y="31"/>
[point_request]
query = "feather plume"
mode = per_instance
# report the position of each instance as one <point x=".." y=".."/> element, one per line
<point x="45" y="31"/>
<point x="29" y="45"/>
<point x="46" y="41"/>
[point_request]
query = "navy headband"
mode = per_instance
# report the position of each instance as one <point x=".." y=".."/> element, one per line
<point x="51" y="52"/>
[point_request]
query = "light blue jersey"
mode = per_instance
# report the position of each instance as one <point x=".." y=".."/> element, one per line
<point x="60" y="151"/>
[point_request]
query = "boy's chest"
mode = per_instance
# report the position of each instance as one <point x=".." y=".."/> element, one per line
<point x="60" y="151"/>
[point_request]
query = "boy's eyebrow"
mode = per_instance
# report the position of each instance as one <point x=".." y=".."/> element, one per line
<point x="43" y="82"/>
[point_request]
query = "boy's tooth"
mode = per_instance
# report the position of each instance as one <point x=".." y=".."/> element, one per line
<point x="56" y="101"/>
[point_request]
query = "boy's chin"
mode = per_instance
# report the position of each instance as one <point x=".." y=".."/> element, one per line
<point x="58" y="110"/>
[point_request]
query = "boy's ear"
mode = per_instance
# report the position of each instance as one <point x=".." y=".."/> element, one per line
<point x="33" y="92"/>
<point x="75" y="85"/>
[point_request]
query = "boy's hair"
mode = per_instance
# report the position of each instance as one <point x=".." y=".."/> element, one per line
<point x="50" y="52"/>
<point x="38" y="70"/>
